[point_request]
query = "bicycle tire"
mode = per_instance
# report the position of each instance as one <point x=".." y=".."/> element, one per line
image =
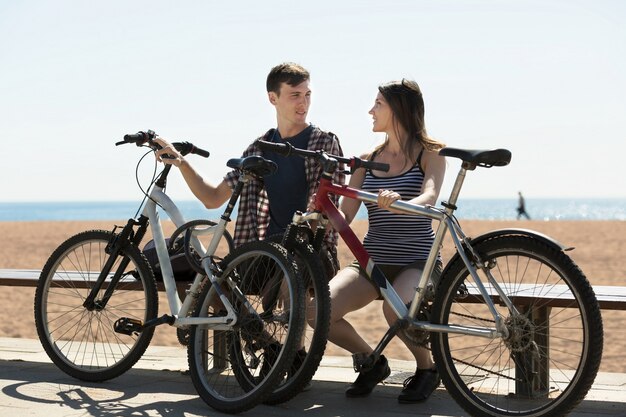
<point x="83" y="343"/>
<point x="491" y="377"/>
<point x="314" y="339"/>
<point x="226" y="365"/>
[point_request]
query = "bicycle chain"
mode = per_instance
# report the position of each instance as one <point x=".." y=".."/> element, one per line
<point x="473" y="317"/>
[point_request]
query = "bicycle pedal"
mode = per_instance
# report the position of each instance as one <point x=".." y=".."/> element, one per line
<point x="128" y="326"/>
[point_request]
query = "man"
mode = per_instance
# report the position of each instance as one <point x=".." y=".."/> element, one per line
<point x="266" y="206"/>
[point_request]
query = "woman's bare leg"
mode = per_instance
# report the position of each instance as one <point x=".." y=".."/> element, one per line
<point x="348" y="292"/>
<point x="404" y="284"/>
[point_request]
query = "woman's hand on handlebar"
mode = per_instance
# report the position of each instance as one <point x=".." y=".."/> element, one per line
<point x="386" y="198"/>
<point x="168" y="154"/>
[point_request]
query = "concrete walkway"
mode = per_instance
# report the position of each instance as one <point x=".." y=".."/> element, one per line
<point x="32" y="386"/>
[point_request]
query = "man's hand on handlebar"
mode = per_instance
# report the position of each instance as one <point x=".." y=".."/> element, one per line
<point x="168" y="154"/>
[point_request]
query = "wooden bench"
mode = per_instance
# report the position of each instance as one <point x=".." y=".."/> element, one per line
<point x="609" y="298"/>
<point x="30" y="278"/>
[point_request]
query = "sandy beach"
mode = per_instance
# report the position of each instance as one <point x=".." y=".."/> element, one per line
<point x="599" y="248"/>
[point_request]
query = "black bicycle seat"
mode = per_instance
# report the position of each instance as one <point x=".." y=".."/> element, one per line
<point x="482" y="158"/>
<point x="255" y="164"/>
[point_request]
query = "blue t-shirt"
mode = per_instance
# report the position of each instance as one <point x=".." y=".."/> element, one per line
<point x="287" y="188"/>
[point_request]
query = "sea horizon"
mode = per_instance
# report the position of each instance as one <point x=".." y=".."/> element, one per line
<point x="546" y="209"/>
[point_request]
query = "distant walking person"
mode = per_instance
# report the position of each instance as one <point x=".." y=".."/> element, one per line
<point x="521" y="207"/>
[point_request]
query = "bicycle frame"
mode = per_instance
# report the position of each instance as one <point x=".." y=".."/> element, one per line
<point x="447" y="223"/>
<point x="180" y="309"/>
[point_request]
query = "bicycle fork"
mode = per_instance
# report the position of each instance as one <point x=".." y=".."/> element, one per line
<point x="113" y="248"/>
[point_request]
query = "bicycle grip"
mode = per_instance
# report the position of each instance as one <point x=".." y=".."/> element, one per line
<point x="363" y="163"/>
<point x="201" y="152"/>
<point x="133" y="137"/>
<point x="377" y="166"/>
<point x="139" y="138"/>
<point x="279" y="148"/>
<point x="187" y="147"/>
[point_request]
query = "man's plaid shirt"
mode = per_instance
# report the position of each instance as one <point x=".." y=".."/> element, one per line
<point x="253" y="216"/>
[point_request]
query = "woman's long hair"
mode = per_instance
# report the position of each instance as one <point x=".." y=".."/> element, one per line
<point x="407" y="105"/>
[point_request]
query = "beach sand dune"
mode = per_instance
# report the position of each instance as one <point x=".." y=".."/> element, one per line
<point x="599" y="251"/>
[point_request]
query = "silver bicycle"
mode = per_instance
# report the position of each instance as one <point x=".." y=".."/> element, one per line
<point x="96" y="303"/>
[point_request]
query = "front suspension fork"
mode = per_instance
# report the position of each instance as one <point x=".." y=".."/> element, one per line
<point x="114" y="247"/>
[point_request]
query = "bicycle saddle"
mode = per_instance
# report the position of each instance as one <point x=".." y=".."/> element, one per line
<point x="255" y="164"/>
<point x="482" y="158"/>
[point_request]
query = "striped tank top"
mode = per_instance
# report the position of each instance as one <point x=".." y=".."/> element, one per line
<point x="397" y="239"/>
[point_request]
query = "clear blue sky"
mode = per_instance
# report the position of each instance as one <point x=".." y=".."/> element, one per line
<point x="545" y="79"/>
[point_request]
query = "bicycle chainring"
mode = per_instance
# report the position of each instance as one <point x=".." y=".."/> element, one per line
<point x="415" y="336"/>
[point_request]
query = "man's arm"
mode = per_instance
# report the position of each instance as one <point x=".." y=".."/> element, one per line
<point x="211" y="196"/>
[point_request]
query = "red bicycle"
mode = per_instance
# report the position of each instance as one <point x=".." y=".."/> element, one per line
<point x="514" y="325"/>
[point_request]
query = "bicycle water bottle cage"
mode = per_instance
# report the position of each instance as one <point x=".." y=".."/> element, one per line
<point x="477" y="157"/>
<point x="257" y="165"/>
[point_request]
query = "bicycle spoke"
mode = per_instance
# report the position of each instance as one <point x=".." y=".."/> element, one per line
<point x="81" y="340"/>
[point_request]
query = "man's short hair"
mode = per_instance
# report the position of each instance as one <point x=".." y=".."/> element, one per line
<point x="287" y="72"/>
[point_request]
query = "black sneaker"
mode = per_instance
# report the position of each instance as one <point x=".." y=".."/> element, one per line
<point x="367" y="380"/>
<point x="418" y="387"/>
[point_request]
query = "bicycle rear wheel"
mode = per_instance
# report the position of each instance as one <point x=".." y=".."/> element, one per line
<point x="82" y="341"/>
<point x="234" y="368"/>
<point x="551" y="356"/>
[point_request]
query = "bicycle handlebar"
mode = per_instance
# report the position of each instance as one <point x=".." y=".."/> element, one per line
<point x="141" y="138"/>
<point x="287" y="149"/>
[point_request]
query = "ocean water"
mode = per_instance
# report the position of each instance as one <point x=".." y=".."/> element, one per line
<point x="480" y="209"/>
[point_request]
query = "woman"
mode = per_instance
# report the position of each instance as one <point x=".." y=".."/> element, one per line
<point x="398" y="243"/>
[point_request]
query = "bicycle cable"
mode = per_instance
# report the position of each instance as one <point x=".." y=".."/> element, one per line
<point x="152" y="181"/>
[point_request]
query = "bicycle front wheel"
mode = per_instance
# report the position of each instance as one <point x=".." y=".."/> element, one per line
<point x="315" y="334"/>
<point x="235" y="367"/>
<point x="551" y="355"/>
<point x="81" y="341"/>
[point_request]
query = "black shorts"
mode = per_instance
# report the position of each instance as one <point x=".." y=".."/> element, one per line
<point x="392" y="271"/>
